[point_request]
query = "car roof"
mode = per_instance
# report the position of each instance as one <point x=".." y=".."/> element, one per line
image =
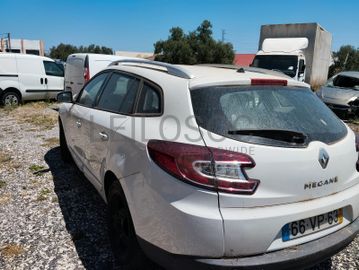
<point x="96" y="56"/>
<point x="23" y="55"/>
<point x="203" y="76"/>
<point x="354" y="74"/>
<point x="212" y="76"/>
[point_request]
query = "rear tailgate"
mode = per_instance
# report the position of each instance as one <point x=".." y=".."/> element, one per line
<point x="290" y="175"/>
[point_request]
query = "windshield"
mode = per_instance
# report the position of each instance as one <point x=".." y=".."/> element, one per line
<point x="234" y="111"/>
<point x="344" y="82"/>
<point x="284" y="63"/>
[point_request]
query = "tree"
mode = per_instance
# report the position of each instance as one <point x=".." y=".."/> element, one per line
<point x="347" y="58"/>
<point x="196" y="47"/>
<point x="61" y="51"/>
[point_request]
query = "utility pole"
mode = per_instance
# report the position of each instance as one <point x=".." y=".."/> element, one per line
<point x="9" y="43"/>
<point x="346" y="60"/>
<point x="223" y="34"/>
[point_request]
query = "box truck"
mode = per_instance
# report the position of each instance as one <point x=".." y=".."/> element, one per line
<point x="301" y="51"/>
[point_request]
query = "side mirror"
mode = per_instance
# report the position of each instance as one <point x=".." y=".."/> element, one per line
<point x="65" y="96"/>
<point x="301" y="67"/>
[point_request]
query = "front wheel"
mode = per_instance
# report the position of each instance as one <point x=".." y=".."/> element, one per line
<point x="10" y="98"/>
<point x="126" y="250"/>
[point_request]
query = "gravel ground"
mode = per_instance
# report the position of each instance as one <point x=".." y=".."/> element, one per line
<point x="52" y="219"/>
<point x="50" y="216"/>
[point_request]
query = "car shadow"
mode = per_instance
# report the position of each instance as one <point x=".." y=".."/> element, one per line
<point x="84" y="213"/>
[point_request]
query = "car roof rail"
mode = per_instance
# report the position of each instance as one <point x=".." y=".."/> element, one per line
<point x="242" y="69"/>
<point x="169" y="68"/>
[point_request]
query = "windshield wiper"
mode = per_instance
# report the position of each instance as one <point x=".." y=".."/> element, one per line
<point x="289" y="136"/>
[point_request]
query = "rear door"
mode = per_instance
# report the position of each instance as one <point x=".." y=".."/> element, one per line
<point x="74" y="73"/>
<point x="290" y="168"/>
<point x="54" y="79"/>
<point x="115" y="105"/>
<point x="8" y="72"/>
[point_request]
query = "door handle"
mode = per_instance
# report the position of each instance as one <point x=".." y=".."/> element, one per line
<point x="103" y="136"/>
<point x="41" y="80"/>
<point x="71" y="82"/>
<point x="45" y="80"/>
<point x="78" y="123"/>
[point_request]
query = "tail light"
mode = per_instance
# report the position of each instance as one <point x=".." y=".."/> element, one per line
<point x="87" y="74"/>
<point x="207" y="167"/>
<point x="269" y="82"/>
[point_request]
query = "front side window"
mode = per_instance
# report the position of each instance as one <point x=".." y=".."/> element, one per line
<point x="91" y="90"/>
<point x="119" y="94"/>
<point x="150" y="100"/>
<point x="270" y="115"/>
<point x="53" y="69"/>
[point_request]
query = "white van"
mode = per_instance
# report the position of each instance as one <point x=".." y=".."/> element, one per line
<point x="81" y="67"/>
<point x="28" y="77"/>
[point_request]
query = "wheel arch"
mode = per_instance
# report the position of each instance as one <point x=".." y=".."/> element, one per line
<point x="12" y="89"/>
<point x="110" y="178"/>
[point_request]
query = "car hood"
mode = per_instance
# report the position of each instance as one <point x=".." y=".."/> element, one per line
<point x="337" y="95"/>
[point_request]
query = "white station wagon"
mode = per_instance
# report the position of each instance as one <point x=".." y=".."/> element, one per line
<point x="213" y="168"/>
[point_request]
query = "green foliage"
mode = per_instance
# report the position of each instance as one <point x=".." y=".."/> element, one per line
<point x="61" y="51"/>
<point x="196" y="47"/>
<point x="347" y="58"/>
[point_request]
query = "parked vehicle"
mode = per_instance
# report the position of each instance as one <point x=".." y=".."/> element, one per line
<point x="341" y="93"/>
<point x="213" y="168"/>
<point x="81" y="67"/>
<point x="301" y="51"/>
<point x="26" y="77"/>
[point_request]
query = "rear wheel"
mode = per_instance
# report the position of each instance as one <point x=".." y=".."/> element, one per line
<point x="10" y="98"/>
<point x="126" y="250"/>
<point x="65" y="152"/>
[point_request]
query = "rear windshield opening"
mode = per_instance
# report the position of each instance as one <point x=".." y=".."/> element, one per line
<point x="346" y="82"/>
<point x="270" y="115"/>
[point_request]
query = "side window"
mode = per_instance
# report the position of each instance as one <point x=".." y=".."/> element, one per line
<point x="150" y="100"/>
<point x="119" y="94"/>
<point x="89" y="93"/>
<point x="53" y="69"/>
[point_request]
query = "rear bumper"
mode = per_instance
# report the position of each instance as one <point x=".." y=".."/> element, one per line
<point x="297" y="257"/>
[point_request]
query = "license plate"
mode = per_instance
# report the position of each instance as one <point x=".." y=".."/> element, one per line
<point x="311" y="225"/>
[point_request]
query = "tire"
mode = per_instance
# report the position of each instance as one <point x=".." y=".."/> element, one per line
<point x="10" y="98"/>
<point x="65" y="152"/>
<point x="127" y="253"/>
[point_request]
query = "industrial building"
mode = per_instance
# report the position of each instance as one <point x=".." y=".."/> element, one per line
<point x="25" y="46"/>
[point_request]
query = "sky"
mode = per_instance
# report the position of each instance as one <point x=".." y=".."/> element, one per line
<point x="135" y="25"/>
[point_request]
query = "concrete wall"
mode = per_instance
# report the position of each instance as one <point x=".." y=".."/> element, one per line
<point x="318" y="52"/>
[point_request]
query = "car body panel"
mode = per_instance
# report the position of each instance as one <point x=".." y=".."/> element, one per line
<point x="338" y="96"/>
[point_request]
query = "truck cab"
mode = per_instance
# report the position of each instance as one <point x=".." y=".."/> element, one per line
<point x="283" y="54"/>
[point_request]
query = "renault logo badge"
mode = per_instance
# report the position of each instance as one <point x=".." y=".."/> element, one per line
<point x="323" y="158"/>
